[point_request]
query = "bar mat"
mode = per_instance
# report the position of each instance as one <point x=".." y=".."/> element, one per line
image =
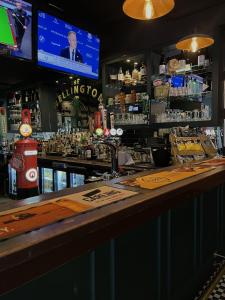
<point x="31" y="217"/>
<point x="157" y="180"/>
<point x="97" y="197"/>
<point x="216" y="162"/>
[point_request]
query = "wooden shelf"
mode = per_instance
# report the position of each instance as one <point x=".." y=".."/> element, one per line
<point x="165" y="125"/>
<point x="196" y="70"/>
<point x="133" y="126"/>
<point x="187" y="102"/>
<point x="207" y="123"/>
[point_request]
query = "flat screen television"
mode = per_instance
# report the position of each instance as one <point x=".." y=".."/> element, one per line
<point x="16" y="28"/>
<point x="66" y="48"/>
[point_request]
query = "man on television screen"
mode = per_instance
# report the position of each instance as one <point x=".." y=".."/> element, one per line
<point x="21" y="21"/>
<point x="71" y="52"/>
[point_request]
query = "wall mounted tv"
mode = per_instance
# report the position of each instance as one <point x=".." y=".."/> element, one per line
<point x="16" y="28"/>
<point x="66" y="48"/>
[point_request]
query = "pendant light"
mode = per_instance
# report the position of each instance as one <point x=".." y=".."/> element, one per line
<point x="147" y="9"/>
<point x="195" y="42"/>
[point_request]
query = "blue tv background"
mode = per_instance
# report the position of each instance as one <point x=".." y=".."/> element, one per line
<point x="52" y="38"/>
<point x="26" y="46"/>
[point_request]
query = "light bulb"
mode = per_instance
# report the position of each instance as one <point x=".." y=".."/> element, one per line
<point x="194" y="45"/>
<point x="148" y="9"/>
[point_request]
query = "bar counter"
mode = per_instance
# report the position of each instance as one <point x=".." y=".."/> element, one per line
<point x="158" y="244"/>
<point x="91" y="164"/>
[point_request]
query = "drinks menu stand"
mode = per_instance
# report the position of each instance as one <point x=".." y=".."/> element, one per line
<point x="201" y="146"/>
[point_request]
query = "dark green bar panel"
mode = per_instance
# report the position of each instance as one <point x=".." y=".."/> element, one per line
<point x="167" y="258"/>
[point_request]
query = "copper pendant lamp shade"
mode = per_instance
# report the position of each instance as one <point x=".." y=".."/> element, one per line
<point x="147" y="9"/>
<point x="195" y="42"/>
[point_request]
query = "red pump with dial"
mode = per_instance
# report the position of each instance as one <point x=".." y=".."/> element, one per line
<point x="24" y="162"/>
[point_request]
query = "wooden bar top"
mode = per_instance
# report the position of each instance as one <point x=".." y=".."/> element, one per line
<point x="32" y="254"/>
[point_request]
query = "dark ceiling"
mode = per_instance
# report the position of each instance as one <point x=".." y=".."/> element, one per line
<point x="106" y="18"/>
<point x="104" y="13"/>
<point x="120" y="34"/>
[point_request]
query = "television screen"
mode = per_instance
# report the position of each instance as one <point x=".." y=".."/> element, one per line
<point x="15" y="28"/>
<point x="66" y="48"/>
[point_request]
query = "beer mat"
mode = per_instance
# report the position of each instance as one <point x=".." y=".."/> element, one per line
<point x="34" y="216"/>
<point x="157" y="180"/>
<point x="96" y="197"/>
<point x="12" y="224"/>
<point x="214" y="162"/>
<point x="73" y="205"/>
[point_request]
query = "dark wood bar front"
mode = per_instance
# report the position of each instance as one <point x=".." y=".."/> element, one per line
<point x="158" y="244"/>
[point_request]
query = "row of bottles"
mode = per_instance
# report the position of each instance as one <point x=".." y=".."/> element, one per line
<point x="137" y="75"/>
<point x="76" y="144"/>
<point x="122" y="99"/>
<point x="192" y="86"/>
<point x="3" y="131"/>
<point x="20" y="100"/>
<point x="182" y="86"/>
<point x="180" y="64"/>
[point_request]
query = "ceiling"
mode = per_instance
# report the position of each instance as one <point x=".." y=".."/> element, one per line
<point x="119" y="34"/>
<point x="106" y="15"/>
<point x="106" y="18"/>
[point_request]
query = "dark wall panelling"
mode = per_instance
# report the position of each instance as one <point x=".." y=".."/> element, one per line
<point x="167" y="258"/>
<point x="137" y="262"/>
<point x="47" y="95"/>
<point x="71" y="281"/>
<point x="209" y="224"/>
<point x="181" y="235"/>
<point x="104" y="274"/>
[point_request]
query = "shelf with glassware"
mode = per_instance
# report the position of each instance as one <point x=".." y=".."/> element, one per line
<point x="125" y="89"/>
<point x="178" y="90"/>
<point x="134" y="113"/>
<point x="19" y="100"/>
<point x="126" y="72"/>
<point x="182" y="91"/>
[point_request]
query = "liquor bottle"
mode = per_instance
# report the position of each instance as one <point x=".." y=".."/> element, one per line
<point x="26" y="97"/>
<point x="127" y="78"/>
<point x="112" y="120"/>
<point x="127" y="75"/>
<point x="143" y="71"/>
<point x="201" y="60"/>
<point x="104" y="118"/>
<point x="32" y="96"/>
<point x="162" y="66"/>
<point x="189" y="87"/>
<point x="88" y="153"/>
<point x="135" y="73"/>
<point x="17" y="98"/>
<point x="194" y="87"/>
<point x="120" y="74"/>
<point x="37" y="114"/>
<point x="182" y="62"/>
<point x="188" y="65"/>
<point x="207" y="59"/>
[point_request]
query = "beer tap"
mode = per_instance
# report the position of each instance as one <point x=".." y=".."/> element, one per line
<point x="114" y="154"/>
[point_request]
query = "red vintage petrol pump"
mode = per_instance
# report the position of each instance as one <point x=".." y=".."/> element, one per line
<point x="23" y="165"/>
